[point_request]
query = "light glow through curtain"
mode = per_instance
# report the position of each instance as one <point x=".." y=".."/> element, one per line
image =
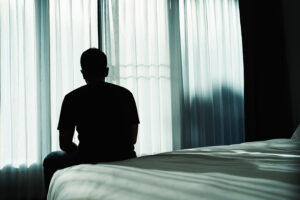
<point x="212" y="73"/>
<point x="184" y="68"/>
<point x="23" y="88"/>
<point x="190" y="58"/>
<point x="136" y="40"/>
<point x="73" y="29"/>
<point x="19" y="77"/>
<point x="40" y="47"/>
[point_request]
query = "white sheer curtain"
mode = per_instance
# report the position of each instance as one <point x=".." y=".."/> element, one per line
<point x="136" y="39"/>
<point x="212" y="72"/>
<point x="19" y="77"/>
<point x="73" y="29"/>
<point x="33" y="80"/>
<point x="22" y="91"/>
<point x="25" y="75"/>
<point x="182" y="59"/>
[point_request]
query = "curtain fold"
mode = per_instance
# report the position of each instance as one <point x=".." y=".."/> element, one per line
<point x="211" y="73"/>
<point x="73" y="29"/>
<point x="19" y="79"/>
<point x="190" y="54"/>
<point x="24" y="112"/>
<point x="136" y="41"/>
<point x="181" y="59"/>
<point x="40" y="48"/>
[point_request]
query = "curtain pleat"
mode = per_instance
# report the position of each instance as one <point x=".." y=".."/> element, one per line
<point x="136" y="41"/>
<point x="181" y="59"/>
<point x="212" y="73"/>
<point x="199" y="98"/>
<point x="24" y="113"/>
<point x="73" y="29"/>
<point x="40" y="48"/>
<point x="19" y="80"/>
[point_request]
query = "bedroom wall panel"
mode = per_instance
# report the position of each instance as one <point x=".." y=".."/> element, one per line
<point x="269" y="89"/>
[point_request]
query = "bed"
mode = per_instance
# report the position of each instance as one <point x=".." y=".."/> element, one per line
<point x="253" y="170"/>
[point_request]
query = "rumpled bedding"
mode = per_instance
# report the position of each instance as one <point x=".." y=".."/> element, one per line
<point x="253" y="170"/>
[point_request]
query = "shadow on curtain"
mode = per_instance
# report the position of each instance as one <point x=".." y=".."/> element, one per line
<point x="207" y="73"/>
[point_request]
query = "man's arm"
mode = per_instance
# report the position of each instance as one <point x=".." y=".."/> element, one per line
<point x="66" y="141"/>
<point x="134" y="132"/>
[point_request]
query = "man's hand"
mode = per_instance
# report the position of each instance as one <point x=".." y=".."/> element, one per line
<point x="66" y="141"/>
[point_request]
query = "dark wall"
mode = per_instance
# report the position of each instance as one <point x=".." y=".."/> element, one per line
<point x="270" y="97"/>
<point x="291" y="25"/>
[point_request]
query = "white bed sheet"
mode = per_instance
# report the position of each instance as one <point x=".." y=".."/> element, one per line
<point x="254" y="170"/>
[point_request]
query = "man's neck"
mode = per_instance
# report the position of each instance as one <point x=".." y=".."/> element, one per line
<point x="95" y="81"/>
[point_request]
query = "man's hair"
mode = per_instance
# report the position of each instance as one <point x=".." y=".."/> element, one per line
<point x="93" y="60"/>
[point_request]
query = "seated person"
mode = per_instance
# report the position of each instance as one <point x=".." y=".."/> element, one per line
<point x="104" y="115"/>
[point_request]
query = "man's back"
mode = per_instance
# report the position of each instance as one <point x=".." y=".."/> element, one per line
<point x="102" y="114"/>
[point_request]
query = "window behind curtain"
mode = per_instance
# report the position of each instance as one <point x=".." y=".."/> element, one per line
<point x="136" y="40"/>
<point x="73" y="29"/>
<point x="19" y="96"/>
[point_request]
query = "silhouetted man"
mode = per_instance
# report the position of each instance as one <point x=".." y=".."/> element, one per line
<point x="104" y="115"/>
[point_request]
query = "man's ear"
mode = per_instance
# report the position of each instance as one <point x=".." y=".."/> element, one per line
<point x="106" y="72"/>
<point x="83" y="74"/>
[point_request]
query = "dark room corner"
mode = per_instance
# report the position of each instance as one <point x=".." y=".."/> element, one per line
<point x="270" y="33"/>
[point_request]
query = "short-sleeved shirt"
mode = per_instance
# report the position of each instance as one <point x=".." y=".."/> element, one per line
<point x="102" y="114"/>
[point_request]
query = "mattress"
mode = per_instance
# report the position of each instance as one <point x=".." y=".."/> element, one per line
<point x="254" y="170"/>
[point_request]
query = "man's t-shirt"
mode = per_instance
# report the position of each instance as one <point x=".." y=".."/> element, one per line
<point x="102" y="114"/>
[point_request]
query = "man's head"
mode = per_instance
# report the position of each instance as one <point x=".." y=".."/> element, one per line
<point x="94" y="65"/>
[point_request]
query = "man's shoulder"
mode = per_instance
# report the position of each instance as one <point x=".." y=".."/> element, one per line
<point x="76" y="91"/>
<point x="109" y="87"/>
<point x="118" y="88"/>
